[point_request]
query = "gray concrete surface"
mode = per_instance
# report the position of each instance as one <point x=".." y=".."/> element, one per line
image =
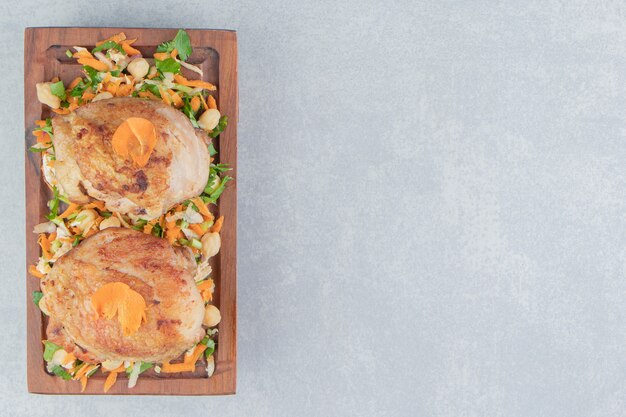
<point x="433" y="206"/>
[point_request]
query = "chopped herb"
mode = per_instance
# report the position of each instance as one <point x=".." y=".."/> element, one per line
<point x="37" y="296"/>
<point x="116" y="73"/>
<point x="77" y="239"/>
<point x="106" y="214"/>
<point x="92" y="74"/>
<point x="140" y="224"/>
<point x="221" y="125"/>
<point x="109" y="45"/>
<point x="157" y="230"/>
<point x="167" y="65"/>
<point x="49" y="350"/>
<point x="214" y="195"/>
<point x="60" y="372"/>
<point x="142" y="368"/>
<point x="212" y="151"/>
<point x="182" y="45"/>
<point x="58" y="89"/>
<point x="68" y="53"/>
<point x="210" y="348"/>
<point x="53" y="204"/>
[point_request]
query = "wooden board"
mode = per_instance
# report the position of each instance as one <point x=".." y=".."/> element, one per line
<point x="215" y="52"/>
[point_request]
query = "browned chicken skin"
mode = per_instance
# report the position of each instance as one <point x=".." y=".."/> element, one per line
<point x="161" y="273"/>
<point x="86" y="166"/>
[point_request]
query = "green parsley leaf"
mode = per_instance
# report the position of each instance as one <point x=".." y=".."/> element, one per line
<point x="144" y="367"/>
<point x="210" y="348"/>
<point x="221" y="125"/>
<point x="58" y="89"/>
<point x="167" y="65"/>
<point x="92" y="74"/>
<point x="37" y="296"/>
<point x="212" y="151"/>
<point x="59" y="371"/>
<point x="182" y="45"/>
<point x="166" y="46"/>
<point x="109" y="45"/>
<point x="49" y="350"/>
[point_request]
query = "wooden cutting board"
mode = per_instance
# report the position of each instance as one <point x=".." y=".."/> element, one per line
<point x="215" y="52"/>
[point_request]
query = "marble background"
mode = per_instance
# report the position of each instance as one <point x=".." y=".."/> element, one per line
<point x="432" y="207"/>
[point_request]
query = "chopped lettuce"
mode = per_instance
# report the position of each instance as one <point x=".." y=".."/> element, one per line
<point x="49" y="350"/>
<point x="60" y="372"/>
<point x="167" y="65"/>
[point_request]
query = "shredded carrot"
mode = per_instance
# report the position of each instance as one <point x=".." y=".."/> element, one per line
<point x="193" y="83"/>
<point x="188" y="365"/>
<point x="178" y="102"/>
<point x="40" y="123"/>
<point x="211" y="102"/>
<point x="61" y="110"/>
<point x="117" y="38"/>
<point x="69" y="210"/>
<point x="151" y="74"/>
<point x="96" y="204"/>
<point x="83" y="54"/>
<point x="118" y="369"/>
<point x="74" y="83"/>
<point x="164" y="96"/>
<point x="172" y="232"/>
<point x="93" y="63"/>
<point x="88" y="95"/>
<point x="129" y="49"/>
<point x="45" y="246"/>
<point x="83" y="383"/>
<point x="207" y="284"/>
<point x="197" y="229"/>
<point x="218" y="225"/>
<point x="117" y="298"/>
<point x="148" y="94"/>
<point x="207" y="295"/>
<point x="195" y="103"/>
<point x="124" y="90"/>
<point x="161" y="56"/>
<point x="32" y="269"/>
<point x="43" y="137"/>
<point x="110" y="381"/>
<point x="55" y="79"/>
<point x="84" y="370"/>
<point x="204" y="210"/>
<point x="148" y="228"/>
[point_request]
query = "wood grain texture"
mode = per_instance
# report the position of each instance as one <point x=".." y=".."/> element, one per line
<point x="215" y="51"/>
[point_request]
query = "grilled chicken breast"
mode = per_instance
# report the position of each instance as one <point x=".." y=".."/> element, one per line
<point x="159" y="272"/>
<point x="86" y="166"/>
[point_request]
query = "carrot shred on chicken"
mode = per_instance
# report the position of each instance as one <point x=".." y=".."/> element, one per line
<point x="117" y="298"/>
<point x="135" y="137"/>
